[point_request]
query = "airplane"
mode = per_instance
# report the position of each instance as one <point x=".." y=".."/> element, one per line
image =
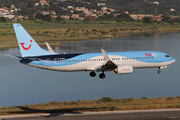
<point x="119" y="62"/>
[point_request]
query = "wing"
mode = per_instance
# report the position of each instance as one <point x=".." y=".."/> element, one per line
<point x="108" y="64"/>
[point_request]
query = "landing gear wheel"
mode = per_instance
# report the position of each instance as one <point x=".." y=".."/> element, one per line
<point x="92" y="74"/>
<point x="102" y="75"/>
<point x="159" y="71"/>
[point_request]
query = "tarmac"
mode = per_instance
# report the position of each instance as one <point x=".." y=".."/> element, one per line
<point x="101" y="113"/>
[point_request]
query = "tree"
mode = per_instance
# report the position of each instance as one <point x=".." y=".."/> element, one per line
<point x="177" y="20"/>
<point x="47" y="18"/>
<point x="39" y="16"/>
<point x="31" y="17"/>
<point x="59" y="18"/>
<point x="107" y="17"/>
<point x="31" y="3"/>
<point x="3" y="19"/>
<point x="166" y="17"/>
<point x="124" y="17"/>
<point x="147" y="19"/>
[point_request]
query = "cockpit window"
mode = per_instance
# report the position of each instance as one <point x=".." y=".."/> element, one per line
<point x="166" y="55"/>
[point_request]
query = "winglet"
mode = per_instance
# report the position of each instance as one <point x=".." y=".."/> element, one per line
<point x="49" y="47"/>
<point x="106" y="58"/>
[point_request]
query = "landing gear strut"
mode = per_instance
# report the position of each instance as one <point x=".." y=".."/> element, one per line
<point x="159" y="71"/>
<point x="102" y="75"/>
<point x="92" y="74"/>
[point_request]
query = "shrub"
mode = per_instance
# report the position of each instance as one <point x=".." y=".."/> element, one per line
<point x="106" y="99"/>
<point x="53" y="103"/>
<point x="178" y="97"/>
<point x="114" y="33"/>
<point x="115" y="30"/>
<point x="128" y="99"/>
<point x="94" y="30"/>
<point x="46" y="32"/>
<point x="144" y="98"/>
<point x="38" y="32"/>
<point x="122" y="29"/>
<point x="170" y="98"/>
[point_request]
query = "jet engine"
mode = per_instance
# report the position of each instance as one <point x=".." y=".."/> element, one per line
<point x="123" y="69"/>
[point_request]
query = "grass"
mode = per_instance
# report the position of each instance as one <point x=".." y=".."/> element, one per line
<point x="103" y="104"/>
<point x="76" y="31"/>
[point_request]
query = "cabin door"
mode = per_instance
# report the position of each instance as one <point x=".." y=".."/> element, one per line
<point x="48" y="62"/>
<point x="160" y="58"/>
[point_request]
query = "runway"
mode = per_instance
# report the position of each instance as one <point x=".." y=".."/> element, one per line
<point x="155" y="114"/>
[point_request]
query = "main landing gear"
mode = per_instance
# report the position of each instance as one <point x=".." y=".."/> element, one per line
<point x="102" y="75"/>
<point x="93" y="74"/>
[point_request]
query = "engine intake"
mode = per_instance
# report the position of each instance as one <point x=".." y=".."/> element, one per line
<point x="123" y="69"/>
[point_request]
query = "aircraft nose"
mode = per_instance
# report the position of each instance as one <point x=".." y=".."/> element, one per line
<point x="172" y="60"/>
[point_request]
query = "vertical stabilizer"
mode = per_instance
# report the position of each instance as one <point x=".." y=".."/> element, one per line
<point x="27" y="44"/>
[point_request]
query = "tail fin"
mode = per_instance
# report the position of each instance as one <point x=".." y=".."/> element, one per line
<point x="27" y="45"/>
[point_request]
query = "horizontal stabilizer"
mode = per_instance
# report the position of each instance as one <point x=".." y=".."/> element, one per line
<point x="12" y="56"/>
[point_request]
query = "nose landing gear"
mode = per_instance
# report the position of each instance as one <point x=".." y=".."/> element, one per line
<point x="159" y="71"/>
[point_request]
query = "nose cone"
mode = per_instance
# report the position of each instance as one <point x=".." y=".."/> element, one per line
<point x="172" y="60"/>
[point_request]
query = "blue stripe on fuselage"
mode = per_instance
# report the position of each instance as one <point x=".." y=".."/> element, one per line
<point x="143" y="56"/>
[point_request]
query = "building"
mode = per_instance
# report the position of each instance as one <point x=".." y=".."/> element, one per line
<point x="157" y="3"/>
<point x="90" y="18"/>
<point x="8" y="16"/>
<point x="70" y="7"/>
<point x="158" y="18"/>
<point x="36" y="4"/>
<point x="53" y="16"/>
<point x="127" y="12"/>
<point x="90" y="14"/>
<point x="101" y="4"/>
<point x="172" y="10"/>
<point x="18" y="17"/>
<point x="112" y="10"/>
<point x="44" y="2"/>
<point x="45" y="12"/>
<point x="104" y="8"/>
<point x="75" y="16"/>
<point x="65" y="16"/>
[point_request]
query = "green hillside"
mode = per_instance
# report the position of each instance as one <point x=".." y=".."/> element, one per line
<point x="133" y="6"/>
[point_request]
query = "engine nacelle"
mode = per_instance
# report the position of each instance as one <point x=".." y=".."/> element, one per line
<point x="123" y="69"/>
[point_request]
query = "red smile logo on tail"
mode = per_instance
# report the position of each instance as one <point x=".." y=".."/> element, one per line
<point x="27" y="47"/>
